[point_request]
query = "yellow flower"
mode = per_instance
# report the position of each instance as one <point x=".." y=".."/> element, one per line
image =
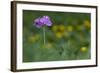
<point x="58" y="30"/>
<point x="55" y="28"/>
<point x="61" y="28"/>
<point x="83" y="49"/>
<point x="87" y="24"/>
<point x="59" y="34"/>
<point x="70" y="28"/>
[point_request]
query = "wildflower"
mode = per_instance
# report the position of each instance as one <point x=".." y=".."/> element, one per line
<point x="83" y="49"/>
<point x="61" y="28"/>
<point x="59" y="34"/>
<point x="58" y="28"/>
<point x="87" y="24"/>
<point x="69" y="28"/>
<point x="43" y="21"/>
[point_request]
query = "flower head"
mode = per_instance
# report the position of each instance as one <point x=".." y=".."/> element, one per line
<point x="83" y="49"/>
<point x="59" y="30"/>
<point x="41" y="21"/>
<point x="87" y="24"/>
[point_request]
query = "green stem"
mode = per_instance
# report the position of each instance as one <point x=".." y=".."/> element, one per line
<point x="44" y="35"/>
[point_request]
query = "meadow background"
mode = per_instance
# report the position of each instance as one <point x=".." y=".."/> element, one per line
<point x="68" y="38"/>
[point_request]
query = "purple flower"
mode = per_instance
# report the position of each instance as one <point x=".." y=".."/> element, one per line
<point x="42" y="21"/>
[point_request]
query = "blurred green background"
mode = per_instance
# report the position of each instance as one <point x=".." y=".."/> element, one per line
<point x="68" y="38"/>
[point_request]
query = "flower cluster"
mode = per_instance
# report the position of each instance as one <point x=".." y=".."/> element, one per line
<point x="42" y="21"/>
<point x="59" y="30"/>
